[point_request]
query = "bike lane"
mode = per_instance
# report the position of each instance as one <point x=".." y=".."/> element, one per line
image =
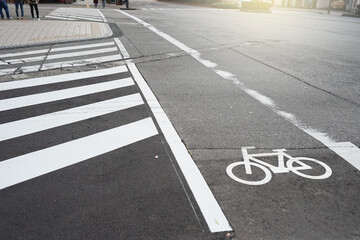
<point x="215" y="119"/>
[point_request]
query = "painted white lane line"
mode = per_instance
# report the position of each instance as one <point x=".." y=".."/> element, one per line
<point x="81" y="53"/>
<point x="348" y="153"/>
<point x="81" y="62"/>
<point x="209" y="207"/>
<point x="47" y="121"/>
<point x="34" y="99"/>
<point x="28" y="166"/>
<point x="24" y="53"/>
<point x="102" y="16"/>
<point x="60" y="49"/>
<point x="122" y="48"/>
<point x="60" y="78"/>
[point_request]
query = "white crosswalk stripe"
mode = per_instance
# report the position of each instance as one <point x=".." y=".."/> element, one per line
<point x="33" y="164"/>
<point x="43" y="59"/>
<point x="34" y="99"/>
<point x="71" y="14"/>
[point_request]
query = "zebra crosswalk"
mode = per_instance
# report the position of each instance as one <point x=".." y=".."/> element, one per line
<point x="59" y="57"/>
<point x="73" y="14"/>
<point x="73" y="91"/>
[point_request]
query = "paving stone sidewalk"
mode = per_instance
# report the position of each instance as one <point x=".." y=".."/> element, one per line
<point x="15" y="33"/>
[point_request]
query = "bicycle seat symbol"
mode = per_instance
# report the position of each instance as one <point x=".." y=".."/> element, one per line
<point x="296" y="165"/>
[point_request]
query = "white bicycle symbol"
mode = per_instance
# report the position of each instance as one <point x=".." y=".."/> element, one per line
<point x="250" y="160"/>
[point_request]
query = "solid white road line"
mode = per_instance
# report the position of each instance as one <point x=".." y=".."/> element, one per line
<point x="209" y="207"/>
<point x="34" y="99"/>
<point x="81" y="62"/>
<point x="81" y="53"/>
<point x="349" y="153"/>
<point x="28" y="166"/>
<point x="102" y="16"/>
<point x="122" y="48"/>
<point x="96" y="45"/>
<point x="47" y="121"/>
<point x="60" y="78"/>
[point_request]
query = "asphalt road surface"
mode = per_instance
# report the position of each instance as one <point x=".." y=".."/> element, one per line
<point x="235" y="85"/>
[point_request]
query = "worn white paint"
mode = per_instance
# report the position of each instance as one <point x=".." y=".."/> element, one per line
<point x="22" y="69"/>
<point x="95" y="45"/>
<point x="24" y="53"/>
<point x="61" y="18"/>
<point x="35" y="164"/>
<point x="60" y="78"/>
<point x="47" y="121"/>
<point x="29" y="100"/>
<point x="81" y="62"/>
<point x="349" y="152"/>
<point x="81" y="53"/>
<point x="23" y="60"/>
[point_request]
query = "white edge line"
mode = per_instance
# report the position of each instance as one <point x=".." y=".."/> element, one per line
<point x="122" y="48"/>
<point x="209" y="207"/>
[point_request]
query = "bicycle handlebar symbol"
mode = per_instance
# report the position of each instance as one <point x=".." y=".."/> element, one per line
<point x="296" y="165"/>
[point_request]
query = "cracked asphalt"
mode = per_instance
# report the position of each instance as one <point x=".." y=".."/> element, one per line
<point x="304" y="65"/>
<point x="286" y="80"/>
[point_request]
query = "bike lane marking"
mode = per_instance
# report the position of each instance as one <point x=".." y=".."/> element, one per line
<point x="346" y="150"/>
<point x="210" y="208"/>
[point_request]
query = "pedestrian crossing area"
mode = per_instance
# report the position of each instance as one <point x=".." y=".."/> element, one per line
<point x="32" y="112"/>
<point x="74" y="14"/>
<point x="59" y="56"/>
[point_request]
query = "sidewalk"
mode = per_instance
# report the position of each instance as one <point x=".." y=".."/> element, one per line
<point x="308" y="11"/>
<point x="15" y="33"/>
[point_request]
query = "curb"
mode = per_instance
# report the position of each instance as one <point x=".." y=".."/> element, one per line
<point x="109" y="33"/>
<point x="351" y="15"/>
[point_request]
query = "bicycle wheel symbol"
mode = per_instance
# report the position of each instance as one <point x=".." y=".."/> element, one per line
<point x="303" y="171"/>
<point x="266" y="179"/>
